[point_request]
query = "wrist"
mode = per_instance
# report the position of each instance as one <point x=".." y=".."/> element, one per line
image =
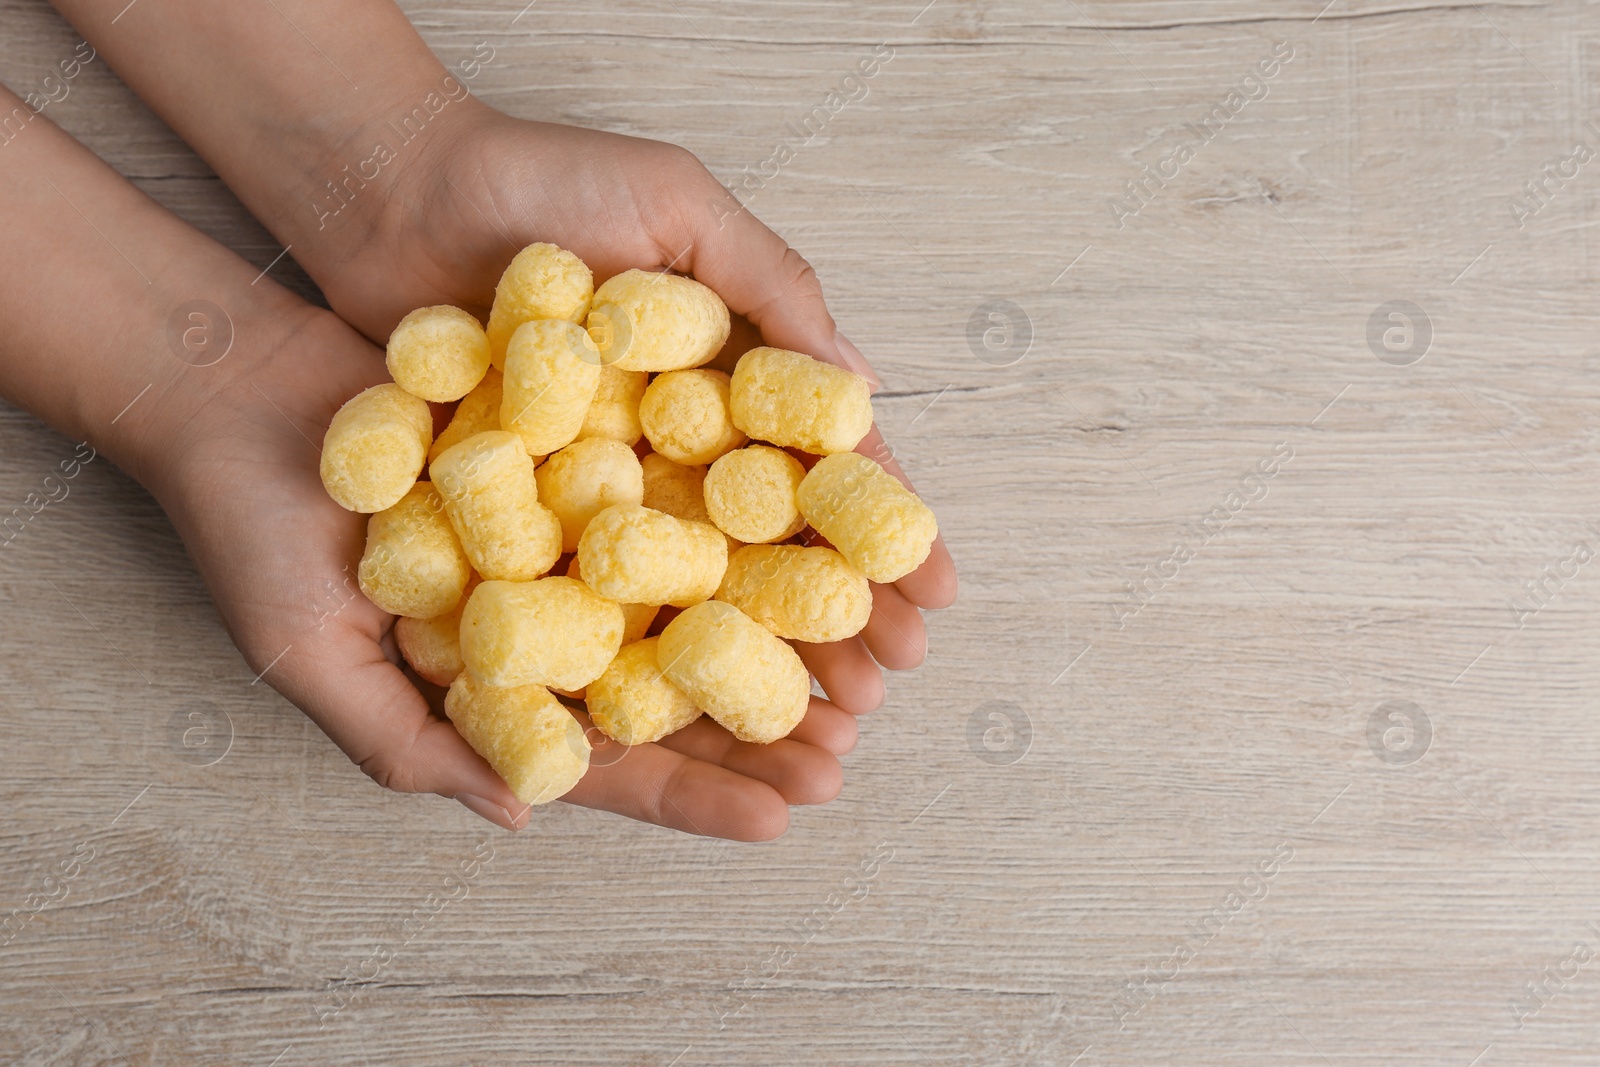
<point x="208" y="348"/>
<point x="361" y="181"/>
<point x="312" y="137"/>
<point x="121" y="323"/>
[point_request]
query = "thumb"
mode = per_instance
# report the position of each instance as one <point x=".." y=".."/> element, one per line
<point x="375" y="715"/>
<point x="760" y="277"/>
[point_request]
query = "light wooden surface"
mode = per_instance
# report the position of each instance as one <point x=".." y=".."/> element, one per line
<point x="957" y="904"/>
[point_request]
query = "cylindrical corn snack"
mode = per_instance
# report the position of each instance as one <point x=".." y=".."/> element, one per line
<point x="638" y="556"/>
<point x="636" y="618"/>
<point x="528" y="737"/>
<point x="585" y="478"/>
<point x="551" y="371"/>
<point x="414" y="564"/>
<point x="542" y="282"/>
<point x="799" y="593"/>
<point x="438" y="353"/>
<point x="555" y="632"/>
<point x="679" y="490"/>
<point x="478" y="411"/>
<point x="614" y="411"/>
<point x="795" y="401"/>
<point x="879" y="525"/>
<point x="685" y="415"/>
<point x="433" y="646"/>
<point x="752" y="683"/>
<point x="375" y="448"/>
<point x="675" y="488"/>
<point x="750" y="494"/>
<point x="489" y="493"/>
<point x="633" y="702"/>
<point x="643" y="320"/>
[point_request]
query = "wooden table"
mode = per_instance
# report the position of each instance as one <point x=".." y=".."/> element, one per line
<point x="1209" y="765"/>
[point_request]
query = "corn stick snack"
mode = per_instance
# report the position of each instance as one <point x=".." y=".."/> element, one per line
<point x="478" y="411"/>
<point x="643" y="320"/>
<point x="493" y="503"/>
<point x="798" y="593"/>
<point x="375" y="448"/>
<point x="551" y="371"/>
<point x="638" y="556"/>
<point x="524" y="733"/>
<point x="795" y="401"/>
<point x="679" y="490"/>
<point x="685" y="415"/>
<point x="554" y="632"/>
<point x="876" y="523"/>
<point x="636" y="618"/>
<point x="614" y="411"/>
<point x="746" y="679"/>
<point x="414" y="564"/>
<point x="634" y="703"/>
<point x="585" y="478"/>
<point x="438" y="353"/>
<point x="433" y="646"/>
<point x="675" y="488"/>
<point x="749" y="494"/>
<point x="542" y="282"/>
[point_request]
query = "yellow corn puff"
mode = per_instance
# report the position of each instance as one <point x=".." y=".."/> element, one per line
<point x="614" y="411"/>
<point x="879" y="525"/>
<point x="633" y="702"/>
<point x="490" y="495"/>
<point x="795" y="401"/>
<point x="375" y="448"/>
<point x="554" y="632"/>
<point x="643" y="320"/>
<point x="478" y="411"/>
<point x="438" y="353"/>
<point x="746" y="679"/>
<point x="542" y="282"/>
<point x="551" y="371"/>
<point x="414" y="564"/>
<point x="638" y="556"/>
<point x="750" y="494"/>
<point x="585" y="478"/>
<point x="524" y="733"/>
<point x="433" y="646"/>
<point x="799" y="593"/>
<point x="684" y="414"/>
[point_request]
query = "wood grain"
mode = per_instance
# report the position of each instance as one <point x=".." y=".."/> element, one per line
<point x="229" y="915"/>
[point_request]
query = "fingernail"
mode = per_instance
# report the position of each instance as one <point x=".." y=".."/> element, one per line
<point x="487" y="809"/>
<point x="858" y="363"/>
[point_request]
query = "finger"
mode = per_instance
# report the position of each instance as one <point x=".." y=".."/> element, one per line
<point x="759" y="276"/>
<point x="367" y="707"/>
<point x="933" y="584"/>
<point x="846" y="672"/>
<point x="801" y="773"/>
<point x="894" y="632"/>
<point x="828" y="727"/>
<point x="656" y="785"/>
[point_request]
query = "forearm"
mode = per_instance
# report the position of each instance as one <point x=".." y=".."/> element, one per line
<point x="95" y="335"/>
<point x="288" y="101"/>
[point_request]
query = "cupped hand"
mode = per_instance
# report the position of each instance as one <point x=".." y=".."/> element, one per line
<point x="242" y="487"/>
<point x="488" y="185"/>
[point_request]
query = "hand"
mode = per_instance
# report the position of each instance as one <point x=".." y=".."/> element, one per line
<point x="487" y="185"/>
<point x="242" y="487"/>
